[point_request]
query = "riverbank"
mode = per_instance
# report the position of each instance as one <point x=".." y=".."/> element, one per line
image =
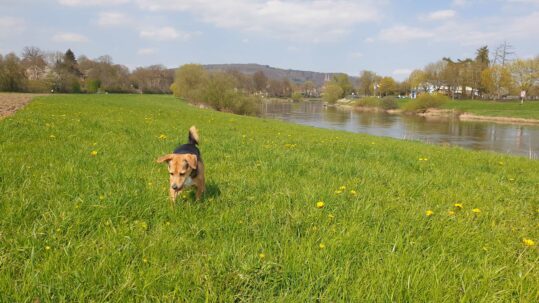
<point x="470" y="110"/>
<point x="85" y="215"/>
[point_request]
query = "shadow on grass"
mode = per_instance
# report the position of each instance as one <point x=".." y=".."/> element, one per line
<point x="212" y="191"/>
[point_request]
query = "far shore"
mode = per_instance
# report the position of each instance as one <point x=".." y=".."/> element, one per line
<point x="435" y="112"/>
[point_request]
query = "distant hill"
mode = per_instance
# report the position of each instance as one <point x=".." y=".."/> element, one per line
<point x="296" y="76"/>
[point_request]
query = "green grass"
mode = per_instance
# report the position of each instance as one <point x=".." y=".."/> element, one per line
<point x="80" y="228"/>
<point x="513" y="109"/>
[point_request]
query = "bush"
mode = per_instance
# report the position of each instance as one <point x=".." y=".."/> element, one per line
<point x="332" y="92"/>
<point x="368" y="102"/>
<point x="389" y="103"/>
<point x="424" y="102"/>
<point x="297" y="96"/>
<point x="218" y="90"/>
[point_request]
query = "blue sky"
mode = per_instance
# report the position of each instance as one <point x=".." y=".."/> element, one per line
<point x="388" y="37"/>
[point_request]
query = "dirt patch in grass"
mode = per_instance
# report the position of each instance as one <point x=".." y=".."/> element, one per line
<point x="11" y="102"/>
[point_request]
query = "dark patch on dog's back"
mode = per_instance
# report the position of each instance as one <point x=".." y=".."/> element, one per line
<point x="188" y="149"/>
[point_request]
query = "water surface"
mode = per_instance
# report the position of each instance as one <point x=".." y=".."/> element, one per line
<point x="522" y="140"/>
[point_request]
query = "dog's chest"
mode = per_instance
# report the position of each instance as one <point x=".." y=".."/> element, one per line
<point x="188" y="182"/>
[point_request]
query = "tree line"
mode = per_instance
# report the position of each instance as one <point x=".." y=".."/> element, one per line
<point x="37" y="71"/>
<point x="486" y="76"/>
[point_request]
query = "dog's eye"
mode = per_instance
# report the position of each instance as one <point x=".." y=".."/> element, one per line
<point x="171" y="174"/>
<point x="182" y="174"/>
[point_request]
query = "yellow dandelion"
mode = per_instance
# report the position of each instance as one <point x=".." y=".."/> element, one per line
<point x="353" y="192"/>
<point x="511" y="179"/>
<point x="429" y="213"/>
<point x="501" y="163"/>
<point x="93" y="153"/>
<point x="342" y="187"/>
<point x="144" y="260"/>
<point x="476" y="210"/>
<point x="101" y="197"/>
<point x="451" y="213"/>
<point x="162" y="137"/>
<point x="331" y="216"/>
<point x="320" y="204"/>
<point x="261" y="256"/>
<point x="52" y="136"/>
<point x="167" y="223"/>
<point x="322" y="246"/>
<point x="47" y="247"/>
<point x="528" y="242"/>
<point x="458" y="206"/>
<point x="338" y="192"/>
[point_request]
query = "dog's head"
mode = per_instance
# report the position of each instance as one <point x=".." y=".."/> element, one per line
<point x="180" y="167"/>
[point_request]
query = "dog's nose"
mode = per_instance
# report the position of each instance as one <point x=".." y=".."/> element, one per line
<point x="175" y="187"/>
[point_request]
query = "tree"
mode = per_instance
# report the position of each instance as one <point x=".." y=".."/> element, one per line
<point x="260" y="81"/>
<point x="309" y="89"/>
<point x="154" y="79"/>
<point x="189" y="81"/>
<point x="33" y="61"/>
<point x="418" y="79"/>
<point x="503" y="54"/>
<point x="434" y="74"/>
<point x="367" y="79"/>
<point x="344" y="82"/>
<point x="332" y="92"/>
<point x="12" y="77"/>
<point x="524" y="74"/>
<point x="388" y="86"/>
<point x="480" y="63"/>
<point x="496" y="80"/>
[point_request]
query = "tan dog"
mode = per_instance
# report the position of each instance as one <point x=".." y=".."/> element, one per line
<point x="185" y="167"/>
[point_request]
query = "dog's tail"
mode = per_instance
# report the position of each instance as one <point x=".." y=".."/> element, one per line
<point x="193" y="135"/>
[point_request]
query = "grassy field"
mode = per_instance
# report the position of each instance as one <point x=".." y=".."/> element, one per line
<point x="513" y="109"/>
<point x="85" y="215"/>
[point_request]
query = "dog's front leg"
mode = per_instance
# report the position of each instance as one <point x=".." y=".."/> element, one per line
<point x="173" y="196"/>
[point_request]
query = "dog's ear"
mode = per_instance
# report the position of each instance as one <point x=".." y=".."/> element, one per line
<point x="191" y="160"/>
<point x="165" y="158"/>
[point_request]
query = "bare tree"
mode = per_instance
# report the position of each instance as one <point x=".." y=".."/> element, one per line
<point x="34" y="63"/>
<point x="503" y="54"/>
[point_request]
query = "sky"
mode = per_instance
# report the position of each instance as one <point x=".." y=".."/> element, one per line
<point x="388" y="37"/>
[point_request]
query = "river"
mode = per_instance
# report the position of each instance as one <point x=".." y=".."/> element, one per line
<point x="515" y="139"/>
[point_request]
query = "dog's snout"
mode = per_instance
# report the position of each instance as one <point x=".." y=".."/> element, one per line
<point x="175" y="186"/>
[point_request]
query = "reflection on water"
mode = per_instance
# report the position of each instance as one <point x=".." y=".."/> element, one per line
<point x="507" y="138"/>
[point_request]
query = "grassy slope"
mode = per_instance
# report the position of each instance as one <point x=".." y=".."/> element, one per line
<point x="80" y="228"/>
<point x="529" y="110"/>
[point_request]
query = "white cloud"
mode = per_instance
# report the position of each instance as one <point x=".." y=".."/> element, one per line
<point x="146" y="51"/>
<point x="10" y="26"/>
<point x="92" y="2"/>
<point x="476" y="32"/>
<point x="69" y="37"/>
<point x="107" y="19"/>
<point x="356" y="54"/>
<point x="318" y="20"/>
<point x="441" y="15"/>
<point x="166" y="33"/>
<point x="404" y="33"/>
